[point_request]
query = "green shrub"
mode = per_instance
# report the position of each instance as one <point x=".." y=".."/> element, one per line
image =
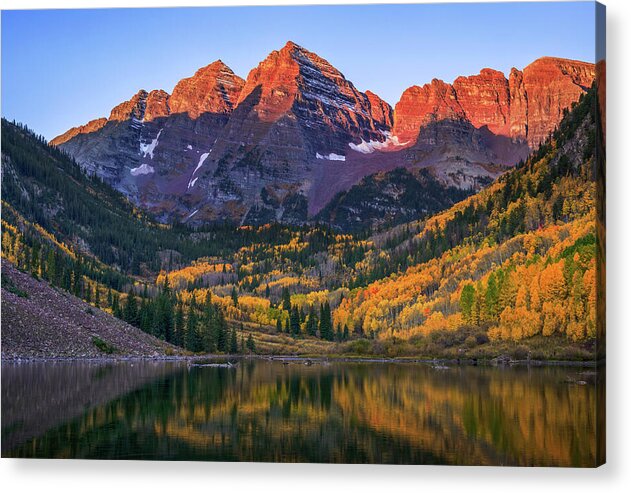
<point x="359" y="346"/>
<point x="103" y="346"/>
<point x="7" y="284"/>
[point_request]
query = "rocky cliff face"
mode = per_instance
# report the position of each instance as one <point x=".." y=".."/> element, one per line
<point x="281" y="144"/>
<point x="295" y="112"/>
<point x="526" y="106"/>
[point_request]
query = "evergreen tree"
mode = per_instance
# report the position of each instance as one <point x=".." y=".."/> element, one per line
<point x="235" y="296"/>
<point x="116" y="309"/>
<point x="130" y="312"/>
<point x="146" y="316"/>
<point x="312" y="322"/>
<point x="180" y="328"/>
<point x="250" y="344"/>
<point x="234" y="347"/>
<point x="51" y="267"/>
<point x="294" y="322"/>
<point x="222" y="337"/>
<point x="279" y="326"/>
<point x="163" y="317"/>
<point x="286" y="298"/>
<point x="192" y="338"/>
<point x="209" y="331"/>
<point x="326" y="325"/>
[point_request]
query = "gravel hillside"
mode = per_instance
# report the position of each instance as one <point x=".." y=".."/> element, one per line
<point x="39" y="321"/>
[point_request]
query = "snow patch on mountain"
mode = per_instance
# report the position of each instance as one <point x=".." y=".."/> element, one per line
<point x="202" y="158"/>
<point x="375" y="145"/>
<point x="149" y="148"/>
<point x="143" y="169"/>
<point x="331" y="157"/>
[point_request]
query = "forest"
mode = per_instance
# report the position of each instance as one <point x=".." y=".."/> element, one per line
<point x="514" y="268"/>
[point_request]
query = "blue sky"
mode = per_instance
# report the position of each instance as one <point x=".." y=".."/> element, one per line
<point x="61" y="68"/>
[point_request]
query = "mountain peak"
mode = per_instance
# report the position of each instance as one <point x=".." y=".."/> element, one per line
<point x="213" y="68"/>
<point x="133" y="108"/>
<point x="214" y="88"/>
<point x="291" y="46"/>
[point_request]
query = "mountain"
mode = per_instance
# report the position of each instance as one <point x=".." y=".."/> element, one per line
<point x="293" y="136"/>
<point x="526" y="106"/>
<point x="465" y="130"/>
<point x="381" y="199"/>
<point x="519" y="262"/>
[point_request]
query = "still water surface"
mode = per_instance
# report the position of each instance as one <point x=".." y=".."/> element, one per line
<point x="269" y="411"/>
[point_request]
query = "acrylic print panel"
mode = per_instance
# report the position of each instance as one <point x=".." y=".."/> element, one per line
<point x="247" y="241"/>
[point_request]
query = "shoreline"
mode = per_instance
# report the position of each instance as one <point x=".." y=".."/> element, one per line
<point x="440" y="363"/>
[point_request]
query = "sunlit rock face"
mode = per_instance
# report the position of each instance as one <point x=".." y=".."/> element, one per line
<point x="281" y="144"/>
<point x="526" y="106"/>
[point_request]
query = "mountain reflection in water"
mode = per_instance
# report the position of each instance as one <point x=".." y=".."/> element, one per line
<point x="267" y="411"/>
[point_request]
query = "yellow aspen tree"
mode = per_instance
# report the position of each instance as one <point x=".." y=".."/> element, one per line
<point x="552" y="282"/>
<point x="535" y="298"/>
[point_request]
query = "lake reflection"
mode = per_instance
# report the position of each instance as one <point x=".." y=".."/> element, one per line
<point x="268" y="411"/>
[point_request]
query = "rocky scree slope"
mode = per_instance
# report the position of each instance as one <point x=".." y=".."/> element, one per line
<point x="39" y="321"/>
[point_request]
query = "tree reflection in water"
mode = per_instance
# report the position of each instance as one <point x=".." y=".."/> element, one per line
<point x="339" y="412"/>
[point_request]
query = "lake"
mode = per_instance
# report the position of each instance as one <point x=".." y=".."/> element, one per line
<point x="399" y="413"/>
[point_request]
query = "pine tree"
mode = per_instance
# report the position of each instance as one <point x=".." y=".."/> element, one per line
<point x="312" y="322"/>
<point x="180" y="328"/>
<point x="223" y="341"/>
<point x="250" y="344"/>
<point x="215" y="330"/>
<point x="192" y="339"/>
<point x="234" y="347"/>
<point x="286" y="299"/>
<point x="235" y="296"/>
<point x="51" y="267"/>
<point x="326" y="325"/>
<point x="294" y="322"/>
<point x="130" y="312"/>
<point x="279" y="326"/>
<point x="116" y="309"/>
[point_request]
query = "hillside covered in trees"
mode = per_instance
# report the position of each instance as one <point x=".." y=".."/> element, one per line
<point x="512" y="268"/>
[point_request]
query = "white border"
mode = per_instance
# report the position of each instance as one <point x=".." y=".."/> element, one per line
<point x="54" y="476"/>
